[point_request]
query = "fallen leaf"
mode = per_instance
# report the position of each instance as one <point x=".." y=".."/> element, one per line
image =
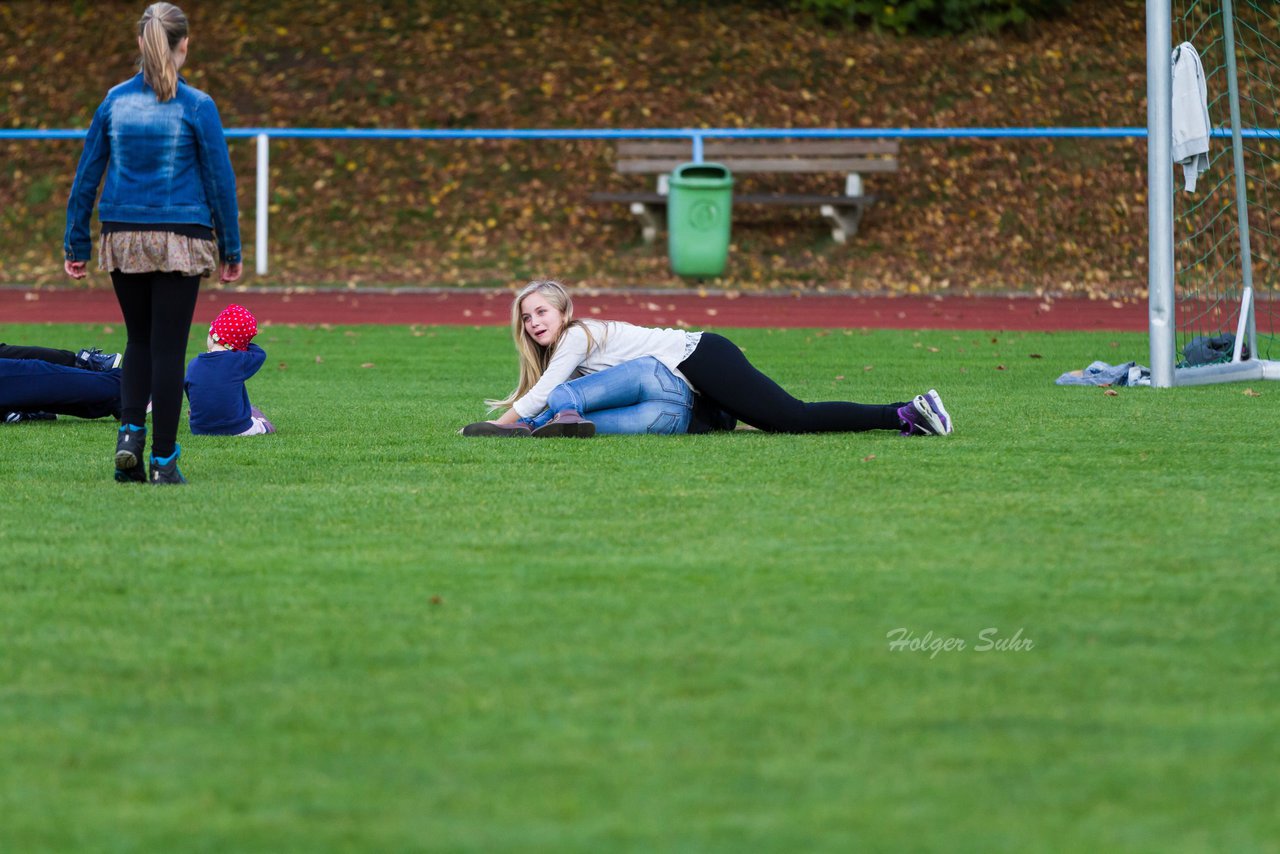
<point x="1000" y="367"/>
<point x="1251" y="393"/>
<point x="319" y="361"/>
<point x="367" y="365"/>
<point x="868" y="458"/>
<point x="1111" y="393"/>
<point x="839" y="377"/>
<point x="1034" y="356"/>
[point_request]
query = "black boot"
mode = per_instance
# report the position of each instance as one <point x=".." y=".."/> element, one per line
<point x="129" y="444"/>
<point x="165" y="469"/>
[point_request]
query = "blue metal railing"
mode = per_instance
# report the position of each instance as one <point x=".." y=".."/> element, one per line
<point x="692" y="134"/>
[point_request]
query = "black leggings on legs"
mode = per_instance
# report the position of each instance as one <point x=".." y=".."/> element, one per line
<point x="44" y="354"/>
<point x="723" y="375"/>
<point x="157" y="309"/>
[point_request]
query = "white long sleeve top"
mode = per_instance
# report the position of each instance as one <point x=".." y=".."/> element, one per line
<point x="613" y="342"/>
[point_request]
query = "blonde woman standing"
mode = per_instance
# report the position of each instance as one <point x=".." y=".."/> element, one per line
<point x="170" y="193"/>
<point x="553" y="347"/>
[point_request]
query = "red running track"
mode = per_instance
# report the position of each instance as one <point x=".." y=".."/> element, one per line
<point x="492" y="307"/>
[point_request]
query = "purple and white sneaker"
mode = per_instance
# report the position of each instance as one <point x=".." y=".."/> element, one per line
<point x="925" y="416"/>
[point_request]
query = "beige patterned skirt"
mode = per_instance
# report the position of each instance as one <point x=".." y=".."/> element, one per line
<point x="157" y="252"/>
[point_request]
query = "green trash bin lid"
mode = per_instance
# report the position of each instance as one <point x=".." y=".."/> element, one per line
<point x="710" y="176"/>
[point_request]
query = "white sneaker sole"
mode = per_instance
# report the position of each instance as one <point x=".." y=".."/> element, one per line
<point x="940" y="420"/>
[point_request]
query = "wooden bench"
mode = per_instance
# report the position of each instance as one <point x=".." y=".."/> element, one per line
<point x="852" y="157"/>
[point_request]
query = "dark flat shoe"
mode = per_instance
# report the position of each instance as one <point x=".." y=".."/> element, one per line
<point x="568" y="424"/>
<point x="488" y="428"/>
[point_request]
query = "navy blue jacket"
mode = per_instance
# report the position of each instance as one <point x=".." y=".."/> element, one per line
<point x="216" y="392"/>
<point x="166" y="164"/>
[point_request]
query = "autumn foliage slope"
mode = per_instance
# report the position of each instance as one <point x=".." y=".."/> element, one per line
<point x="1064" y="216"/>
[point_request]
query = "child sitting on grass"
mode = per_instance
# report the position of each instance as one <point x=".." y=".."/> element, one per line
<point x="215" y="380"/>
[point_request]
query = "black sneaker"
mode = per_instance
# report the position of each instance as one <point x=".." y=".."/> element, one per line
<point x="93" y="359"/>
<point x="165" y="469"/>
<point x="19" y="417"/>
<point x="130" y="440"/>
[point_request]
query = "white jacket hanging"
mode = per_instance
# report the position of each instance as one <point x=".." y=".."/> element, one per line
<point x="1190" y="114"/>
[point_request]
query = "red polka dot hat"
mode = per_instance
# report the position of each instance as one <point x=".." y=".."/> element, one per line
<point x="234" y="327"/>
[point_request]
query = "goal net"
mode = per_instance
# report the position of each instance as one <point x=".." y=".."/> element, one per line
<point x="1215" y="227"/>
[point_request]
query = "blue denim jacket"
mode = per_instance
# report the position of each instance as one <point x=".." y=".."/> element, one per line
<point x="165" y="164"/>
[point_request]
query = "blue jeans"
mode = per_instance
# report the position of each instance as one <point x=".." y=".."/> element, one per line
<point x="29" y="385"/>
<point x="640" y="396"/>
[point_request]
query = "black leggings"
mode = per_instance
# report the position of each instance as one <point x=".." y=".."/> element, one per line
<point x="720" y="372"/>
<point x="157" y="309"/>
<point x="44" y="354"/>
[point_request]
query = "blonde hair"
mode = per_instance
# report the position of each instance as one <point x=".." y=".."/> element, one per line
<point x="534" y="357"/>
<point x="162" y="27"/>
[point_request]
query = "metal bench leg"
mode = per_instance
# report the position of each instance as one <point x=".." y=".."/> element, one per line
<point x="844" y="221"/>
<point x="648" y="216"/>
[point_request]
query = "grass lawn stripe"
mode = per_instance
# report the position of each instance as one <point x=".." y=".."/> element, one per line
<point x="368" y="632"/>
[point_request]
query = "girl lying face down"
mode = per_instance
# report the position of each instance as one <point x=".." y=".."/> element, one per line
<point x="554" y="349"/>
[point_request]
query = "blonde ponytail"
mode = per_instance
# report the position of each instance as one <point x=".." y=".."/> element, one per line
<point x="161" y="29"/>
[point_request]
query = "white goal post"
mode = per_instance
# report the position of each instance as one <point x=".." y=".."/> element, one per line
<point x="1214" y="252"/>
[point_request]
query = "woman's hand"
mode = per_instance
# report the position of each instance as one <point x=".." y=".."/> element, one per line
<point x="508" y="417"/>
<point x="231" y="272"/>
<point x="76" y="269"/>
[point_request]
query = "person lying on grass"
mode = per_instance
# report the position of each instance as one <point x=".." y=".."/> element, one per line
<point x="553" y="346"/>
<point x="41" y="383"/>
<point x="638" y="396"/>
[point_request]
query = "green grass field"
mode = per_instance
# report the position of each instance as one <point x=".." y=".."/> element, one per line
<point x="368" y="633"/>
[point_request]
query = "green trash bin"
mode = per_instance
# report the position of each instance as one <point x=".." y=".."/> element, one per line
<point x="698" y="208"/>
